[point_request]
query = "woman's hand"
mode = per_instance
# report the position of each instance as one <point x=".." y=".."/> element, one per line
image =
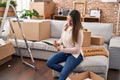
<point x="57" y="45"/>
<point x="58" y="48"/>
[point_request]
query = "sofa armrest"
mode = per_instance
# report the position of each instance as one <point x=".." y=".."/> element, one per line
<point x="114" y="50"/>
<point x="115" y="42"/>
<point x="6" y="30"/>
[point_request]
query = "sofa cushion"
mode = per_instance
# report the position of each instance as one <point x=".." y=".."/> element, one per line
<point x="97" y="64"/>
<point x="99" y="29"/>
<point x="21" y="43"/>
<point x="44" y="46"/>
<point x="56" y="28"/>
<point x="93" y="63"/>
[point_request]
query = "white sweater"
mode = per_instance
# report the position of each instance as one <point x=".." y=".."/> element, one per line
<point x="66" y="39"/>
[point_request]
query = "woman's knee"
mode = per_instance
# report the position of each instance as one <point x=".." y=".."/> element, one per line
<point x="48" y="63"/>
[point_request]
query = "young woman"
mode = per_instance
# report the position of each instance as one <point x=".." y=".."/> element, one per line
<point x="69" y="46"/>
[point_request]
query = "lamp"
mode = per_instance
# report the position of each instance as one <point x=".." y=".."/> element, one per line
<point x="117" y="26"/>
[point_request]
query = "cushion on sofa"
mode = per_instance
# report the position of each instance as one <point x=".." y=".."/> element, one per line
<point x="44" y="46"/>
<point x="93" y="63"/>
<point x="21" y="43"/>
<point x="99" y="29"/>
<point x="56" y="28"/>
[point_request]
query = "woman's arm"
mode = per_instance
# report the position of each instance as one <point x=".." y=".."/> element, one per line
<point x="78" y="45"/>
<point x="59" y="42"/>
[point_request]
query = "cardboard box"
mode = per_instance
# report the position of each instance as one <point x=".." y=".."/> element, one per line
<point x="84" y="75"/>
<point x="10" y="11"/>
<point x="34" y="31"/>
<point x="87" y="39"/>
<point x="97" y="40"/>
<point x="93" y="51"/>
<point x="5" y="52"/>
<point x="44" y="8"/>
<point x="6" y="59"/>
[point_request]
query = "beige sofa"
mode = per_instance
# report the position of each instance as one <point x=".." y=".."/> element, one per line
<point x="98" y="64"/>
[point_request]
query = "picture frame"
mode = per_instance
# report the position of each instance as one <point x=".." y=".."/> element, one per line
<point x="95" y="13"/>
<point x="83" y="7"/>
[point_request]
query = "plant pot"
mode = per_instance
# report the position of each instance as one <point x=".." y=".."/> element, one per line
<point x="10" y="11"/>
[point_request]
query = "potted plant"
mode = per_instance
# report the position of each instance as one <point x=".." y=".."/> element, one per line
<point x="26" y="14"/>
<point x="10" y="11"/>
<point x="29" y="14"/>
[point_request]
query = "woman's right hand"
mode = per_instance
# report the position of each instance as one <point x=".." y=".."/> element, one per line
<point x="56" y="44"/>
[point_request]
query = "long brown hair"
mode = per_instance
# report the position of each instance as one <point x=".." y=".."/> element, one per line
<point x="76" y="23"/>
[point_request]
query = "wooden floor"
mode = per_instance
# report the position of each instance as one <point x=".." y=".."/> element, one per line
<point x="20" y="71"/>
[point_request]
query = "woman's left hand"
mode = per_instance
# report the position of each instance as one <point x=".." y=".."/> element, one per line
<point x="58" y="48"/>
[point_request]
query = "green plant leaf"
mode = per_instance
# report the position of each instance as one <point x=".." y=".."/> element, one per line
<point x="26" y="13"/>
<point x="35" y="13"/>
<point x="12" y="2"/>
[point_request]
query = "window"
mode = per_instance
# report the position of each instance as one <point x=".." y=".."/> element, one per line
<point x="23" y="4"/>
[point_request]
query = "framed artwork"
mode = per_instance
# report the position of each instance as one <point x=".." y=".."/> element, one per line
<point x="95" y="13"/>
<point x="81" y="8"/>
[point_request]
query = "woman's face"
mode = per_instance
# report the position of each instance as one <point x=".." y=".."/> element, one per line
<point x="69" y="20"/>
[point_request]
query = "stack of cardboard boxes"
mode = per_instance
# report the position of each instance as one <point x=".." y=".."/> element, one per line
<point x="92" y="40"/>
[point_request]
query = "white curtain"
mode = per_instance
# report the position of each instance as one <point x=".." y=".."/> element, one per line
<point x="23" y="4"/>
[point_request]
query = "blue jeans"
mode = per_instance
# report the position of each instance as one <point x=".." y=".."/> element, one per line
<point x="70" y="64"/>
